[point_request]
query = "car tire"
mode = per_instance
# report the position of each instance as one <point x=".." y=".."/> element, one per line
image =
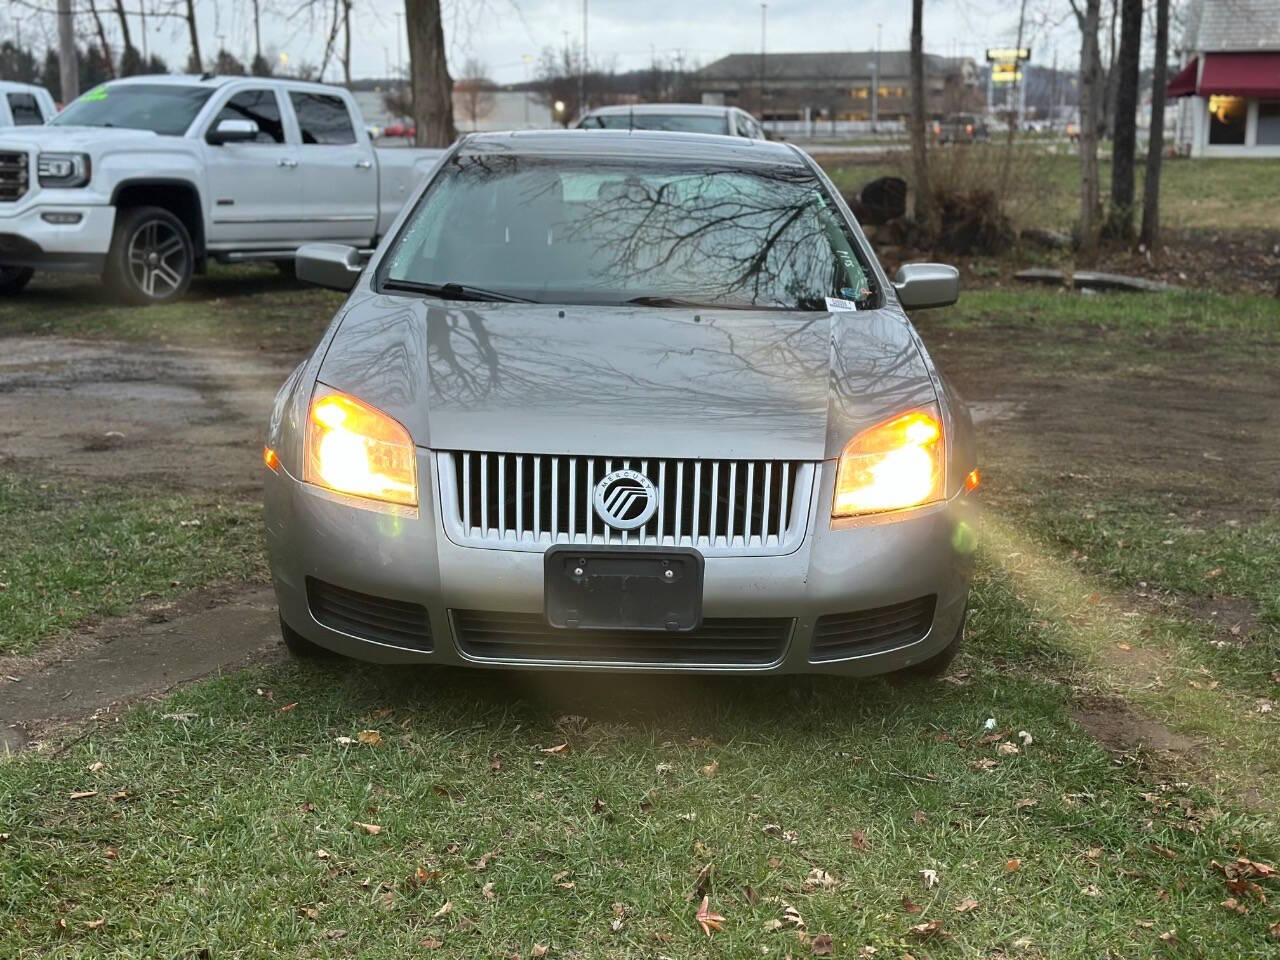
<point x="937" y="665"/>
<point x="13" y="279"/>
<point x="298" y="645"/>
<point x="287" y="268"/>
<point x="152" y="257"/>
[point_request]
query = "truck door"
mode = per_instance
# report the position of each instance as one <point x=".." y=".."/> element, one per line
<point x="255" y="187"/>
<point x="339" y="171"/>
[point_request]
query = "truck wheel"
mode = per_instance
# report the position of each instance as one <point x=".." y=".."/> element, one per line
<point x="151" y="258"/>
<point x="936" y="665"/>
<point x="13" y="279"/>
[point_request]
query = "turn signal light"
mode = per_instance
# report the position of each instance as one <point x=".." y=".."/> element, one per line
<point x="357" y="449"/>
<point x="893" y="465"/>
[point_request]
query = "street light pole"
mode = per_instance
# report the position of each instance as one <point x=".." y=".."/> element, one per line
<point x="764" y="9"/>
<point x="582" y="69"/>
<point x="875" y="84"/>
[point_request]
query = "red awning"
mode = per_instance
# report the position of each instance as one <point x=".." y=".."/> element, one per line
<point x="1231" y="74"/>
<point x="1184" y="84"/>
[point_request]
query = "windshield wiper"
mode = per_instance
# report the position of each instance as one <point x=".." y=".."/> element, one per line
<point x="661" y="301"/>
<point x="453" y="291"/>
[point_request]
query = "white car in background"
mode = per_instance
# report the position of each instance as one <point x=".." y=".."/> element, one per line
<point x="675" y="118"/>
<point x="25" y="105"/>
<point x="144" y="180"/>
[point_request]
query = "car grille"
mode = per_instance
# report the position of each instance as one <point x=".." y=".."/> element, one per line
<point x="841" y="635"/>
<point x="514" y="501"/>
<point x="489" y="635"/>
<point x="14" y="176"/>
<point x="393" y="622"/>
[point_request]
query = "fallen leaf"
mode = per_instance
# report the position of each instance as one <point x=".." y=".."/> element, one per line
<point x="1124" y="646"/>
<point x="443" y="911"/>
<point x="1274" y="930"/>
<point x="83" y="794"/>
<point x="370" y="828"/>
<point x="909" y="906"/>
<point x="867" y="952"/>
<point x="538" y="950"/>
<point x="322" y="854"/>
<point x="96" y="924"/>
<point x="1165" y="851"/>
<point x="930" y="878"/>
<point x="487" y="890"/>
<point x="1012" y="865"/>
<point x="285" y="709"/>
<point x="431" y="943"/>
<point x="483" y="862"/>
<point x="1231" y="903"/>
<point x="859" y="840"/>
<point x="772" y="925"/>
<point x="1026" y="738"/>
<point x="343" y="741"/>
<point x="702" y="885"/>
<point x="1091" y="890"/>
<point x="708" y="920"/>
<point x="791" y="917"/>
<point x="1169" y="937"/>
<point x="1093" y="853"/>
<point x="96" y="766"/>
<point x="749" y="894"/>
<point x="985" y="763"/>
<point x="370" y="738"/>
<point x="775" y="863"/>
<point x="821" y="945"/>
<point x="819" y="880"/>
<point x="1243" y="868"/>
<point x="495" y="764"/>
<point x="1024" y="803"/>
<point x="562" y="748"/>
<point x="927" y="931"/>
<point x="1246" y="887"/>
<point x="966" y="905"/>
<point x="1265" y="706"/>
<point x="918" y="818"/>
<point x="710" y="770"/>
<point x="111" y="853"/>
<point x="334" y="934"/>
<point x="1215" y="573"/>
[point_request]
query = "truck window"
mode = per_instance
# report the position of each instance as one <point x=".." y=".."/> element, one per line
<point x="261" y="107"/>
<point x="322" y="118"/>
<point x="25" y="110"/>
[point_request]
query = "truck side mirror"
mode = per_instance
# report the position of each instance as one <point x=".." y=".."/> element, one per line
<point x="232" y="130"/>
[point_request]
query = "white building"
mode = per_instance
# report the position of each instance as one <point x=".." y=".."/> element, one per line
<point x="1229" y="84"/>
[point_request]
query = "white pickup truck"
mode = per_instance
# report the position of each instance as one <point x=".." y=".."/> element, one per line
<point x="143" y="180"/>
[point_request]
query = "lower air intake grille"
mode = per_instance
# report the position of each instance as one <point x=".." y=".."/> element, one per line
<point x="839" y="635"/>
<point x="488" y="635"/>
<point x="392" y="622"/>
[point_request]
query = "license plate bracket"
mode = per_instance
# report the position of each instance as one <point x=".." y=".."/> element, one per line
<point x="623" y="588"/>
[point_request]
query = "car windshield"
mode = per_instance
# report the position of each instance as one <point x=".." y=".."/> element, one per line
<point x="644" y="120"/>
<point x="161" y="107"/>
<point x="661" y="233"/>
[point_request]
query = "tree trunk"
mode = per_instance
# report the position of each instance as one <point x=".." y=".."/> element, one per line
<point x="1007" y="160"/>
<point x="1120" y="220"/>
<point x="68" y="67"/>
<point x="1090" y="92"/>
<point x="346" y="42"/>
<point x="130" y="62"/>
<point x="924" y="212"/>
<point x="1155" y="148"/>
<point x="257" y="33"/>
<point x="102" y="39"/>
<point x="429" y="74"/>
<point x="196" y="60"/>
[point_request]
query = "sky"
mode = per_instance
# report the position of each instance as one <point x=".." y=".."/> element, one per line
<point x="507" y="35"/>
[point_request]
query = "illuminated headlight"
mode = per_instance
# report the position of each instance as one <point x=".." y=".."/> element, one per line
<point x="356" y="449"/>
<point x="896" y="464"/>
<point x="63" y="169"/>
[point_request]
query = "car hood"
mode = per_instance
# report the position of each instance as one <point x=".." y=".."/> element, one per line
<point x="627" y="381"/>
<point x="82" y="139"/>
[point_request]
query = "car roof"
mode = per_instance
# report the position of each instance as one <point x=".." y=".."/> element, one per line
<point x="15" y="86"/>
<point x="635" y="144"/>
<point x="706" y="109"/>
<point x="216" y="81"/>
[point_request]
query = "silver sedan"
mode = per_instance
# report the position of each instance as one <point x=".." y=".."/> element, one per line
<point x="623" y="400"/>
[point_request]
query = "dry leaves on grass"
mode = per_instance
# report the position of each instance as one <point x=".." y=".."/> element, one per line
<point x="910" y="906"/>
<point x="966" y="905"/>
<point x="443" y="911"/>
<point x="1244" y="869"/>
<point x="819" y="880"/>
<point x="431" y="943"/>
<point x="538" y="950"/>
<point x="1234" y="905"/>
<point x="930" y="878"/>
<point x="930" y="930"/>
<point x="822" y="945"/>
<point x="560" y="881"/>
<point x="711" y="770"/>
<point x="96" y="924"/>
<point x="1274" y="930"/>
<point x="859" y="839"/>
<point x="83" y="794"/>
<point x="1006" y="749"/>
<point x="707" y="919"/>
<point x="1012" y="865"/>
<point x="370" y="738"/>
<point x="487" y="890"/>
<point x="559" y="748"/>
<point x="286" y="709"/>
<point x="370" y="828"/>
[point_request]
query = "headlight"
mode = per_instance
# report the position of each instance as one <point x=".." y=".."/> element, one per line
<point x="63" y="169"/>
<point x="354" y="448"/>
<point x="895" y="464"/>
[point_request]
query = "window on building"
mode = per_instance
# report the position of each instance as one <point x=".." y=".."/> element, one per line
<point x="861" y="93"/>
<point x="1269" y="123"/>
<point x="1228" y="119"/>
<point x="322" y="118"/>
<point x="25" y="110"/>
<point x="261" y="107"/>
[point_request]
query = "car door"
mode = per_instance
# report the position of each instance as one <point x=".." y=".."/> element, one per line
<point x="339" y="170"/>
<point x="255" y="191"/>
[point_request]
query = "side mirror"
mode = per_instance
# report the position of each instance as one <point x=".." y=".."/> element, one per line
<point x="924" y="285"/>
<point x="332" y="265"/>
<point x="232" y="131"/>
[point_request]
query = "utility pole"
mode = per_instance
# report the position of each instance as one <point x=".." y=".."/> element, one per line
<point x="764" y="10"/>
<point x="68" y="65"/>
<point x="875" y="84"/>
<point x="582" y="68"/>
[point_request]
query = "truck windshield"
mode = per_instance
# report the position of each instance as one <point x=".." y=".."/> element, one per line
<point x="601" y="231"/>
<point x="675" y="122"/>
<point x="161" y="107"/>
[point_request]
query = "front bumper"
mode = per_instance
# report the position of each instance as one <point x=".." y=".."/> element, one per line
<point x="406" y="556"/>
<point x="28" y="239"/>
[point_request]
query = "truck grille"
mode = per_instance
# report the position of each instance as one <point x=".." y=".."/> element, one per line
<point x="14" y="176"/>
<point x="840" y="635"/>
<point x="515" y="501"/>
<point x="490" y="635"/>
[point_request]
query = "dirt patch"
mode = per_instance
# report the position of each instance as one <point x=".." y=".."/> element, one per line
<point x="143" y="654"/>
<point x="1232" y="618"/>
<point x="1115" y="725"/>
<point x="153" y="414"/>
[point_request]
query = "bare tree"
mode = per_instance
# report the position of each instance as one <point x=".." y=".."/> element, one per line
<point x="1155" y="146"/>
<point x="429" y="73"/>
<point x="557" y="82"/>
<point x="1124" y="142"/>
<point x="261" y="66"/>
<point x="130" y="59"/>
<point x="195" y="61"/>
<point x="924" y="211"/>
<point x="1090" y="94"/>
<point x="102" y="38"/>
<point x="475" y="90"/>
<point x="346" y="42"/>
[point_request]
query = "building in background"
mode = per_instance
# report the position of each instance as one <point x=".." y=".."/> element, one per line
<point x="1229" y="84"/>
<point x="838" y="92"/>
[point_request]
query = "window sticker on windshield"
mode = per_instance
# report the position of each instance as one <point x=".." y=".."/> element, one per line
<point x="97" y="93"/>
<point x="836" y="305"/>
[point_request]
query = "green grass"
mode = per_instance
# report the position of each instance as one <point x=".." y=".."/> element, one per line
<point x="69" y="551"/>
<point x="216" y="805"/>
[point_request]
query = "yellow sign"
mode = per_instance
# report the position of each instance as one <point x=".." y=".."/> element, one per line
<point x="1007" y="77"/>
<point x="998" y="68"/>
<point x="1008" y="53"/>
